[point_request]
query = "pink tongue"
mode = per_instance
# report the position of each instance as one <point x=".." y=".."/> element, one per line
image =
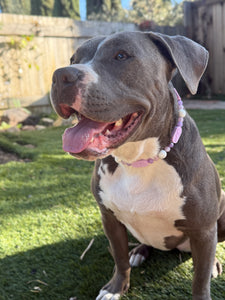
<point x="77" y="138"/>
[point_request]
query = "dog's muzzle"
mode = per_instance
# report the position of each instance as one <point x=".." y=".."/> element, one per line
<point x="66" y="86"/>
<point x="91" y="136"/>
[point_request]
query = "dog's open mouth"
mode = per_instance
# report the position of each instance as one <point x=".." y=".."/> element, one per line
<point x="99" y="137"/>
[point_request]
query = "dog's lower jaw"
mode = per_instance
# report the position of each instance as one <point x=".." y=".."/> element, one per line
<point x="117" y="286"/>
<point x="91" y="156"/>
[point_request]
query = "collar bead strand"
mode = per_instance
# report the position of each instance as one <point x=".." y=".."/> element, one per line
<point x="176" y="133"/>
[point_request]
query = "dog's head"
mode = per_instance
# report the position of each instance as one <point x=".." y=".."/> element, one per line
<point x="118" y="86"/>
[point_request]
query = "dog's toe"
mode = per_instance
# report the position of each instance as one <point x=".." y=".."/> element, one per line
<point x="217" y="268"/>
<point x="136" y="260"/>
<point x="105" y="295"/>
<point x="138" y="255"/>
<point x="101" y="294"/>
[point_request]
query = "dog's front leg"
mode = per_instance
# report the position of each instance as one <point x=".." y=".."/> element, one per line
<point x="117" y="236"/>
<point x="203" y="248"/>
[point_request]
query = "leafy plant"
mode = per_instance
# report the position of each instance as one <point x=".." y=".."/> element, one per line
<point x="14" y="58"/>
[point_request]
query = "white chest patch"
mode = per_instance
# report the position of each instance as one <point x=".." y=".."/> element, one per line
<point x="146" y="200"/>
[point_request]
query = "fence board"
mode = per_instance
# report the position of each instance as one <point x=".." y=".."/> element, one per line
<point x="205" y="23"/>
<point x="58" y="27"/>
<point x="223" y="47"/>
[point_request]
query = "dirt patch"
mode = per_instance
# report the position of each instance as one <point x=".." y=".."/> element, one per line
<point x="6" y="157"/>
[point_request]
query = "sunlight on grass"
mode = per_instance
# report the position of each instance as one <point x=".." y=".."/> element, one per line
<point x="48" y="217"/>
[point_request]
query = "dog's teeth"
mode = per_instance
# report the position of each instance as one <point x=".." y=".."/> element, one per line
<point x="135" y="115"/>
<point x="119" y="123"/>
<point x="92" y="140"/>
<point x="107" y="132"/>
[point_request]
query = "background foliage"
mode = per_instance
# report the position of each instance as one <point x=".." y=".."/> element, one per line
<point x="161" y="12"/>
<point x="60" y="8"/>
<point x="105" y="10"/>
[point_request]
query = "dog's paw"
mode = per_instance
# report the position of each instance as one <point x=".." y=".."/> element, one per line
<point x="136" y="260"/>
<point x="138" y="255"/>
<point x="117" y="286"/>
<point x="105" y="295"/>
<point x="217" y="268"/>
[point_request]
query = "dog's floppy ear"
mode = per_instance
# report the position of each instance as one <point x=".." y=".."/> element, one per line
<point x="189" y="57"/>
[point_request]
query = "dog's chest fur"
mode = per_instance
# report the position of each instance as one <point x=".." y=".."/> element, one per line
<point x="146" y="200"/>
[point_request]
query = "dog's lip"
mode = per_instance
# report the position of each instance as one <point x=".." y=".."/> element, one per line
<point x="91" y="155"/>
<point x="99" y="137"/>
<point x="66" y="111"/>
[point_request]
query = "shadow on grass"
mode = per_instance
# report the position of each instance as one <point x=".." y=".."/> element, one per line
<point x="56" y="272"/>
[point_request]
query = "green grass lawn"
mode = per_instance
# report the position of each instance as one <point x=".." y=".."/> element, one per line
<point x="49" y="216"/>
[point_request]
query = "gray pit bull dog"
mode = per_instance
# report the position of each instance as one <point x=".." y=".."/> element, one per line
<point x="152" y="174"/>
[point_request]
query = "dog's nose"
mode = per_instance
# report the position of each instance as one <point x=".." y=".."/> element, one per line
<point x="65" y="85"/>
<point x="66" y="76"/>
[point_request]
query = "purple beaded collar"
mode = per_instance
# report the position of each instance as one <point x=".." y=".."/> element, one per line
<point x="177" y="131"/>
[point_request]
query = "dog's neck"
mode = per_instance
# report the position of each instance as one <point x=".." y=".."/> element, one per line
<point x="146" y="152"/>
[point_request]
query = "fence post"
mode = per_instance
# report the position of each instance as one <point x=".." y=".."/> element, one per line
<point x="188" y="19"/>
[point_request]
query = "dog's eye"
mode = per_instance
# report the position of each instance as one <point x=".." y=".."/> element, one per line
<point x="121" y="56"/>
<point x="73" y="59"/>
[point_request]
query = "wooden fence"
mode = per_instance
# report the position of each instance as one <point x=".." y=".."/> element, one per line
<point x="205" y="23"/>
<point x="32" y="47"/>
